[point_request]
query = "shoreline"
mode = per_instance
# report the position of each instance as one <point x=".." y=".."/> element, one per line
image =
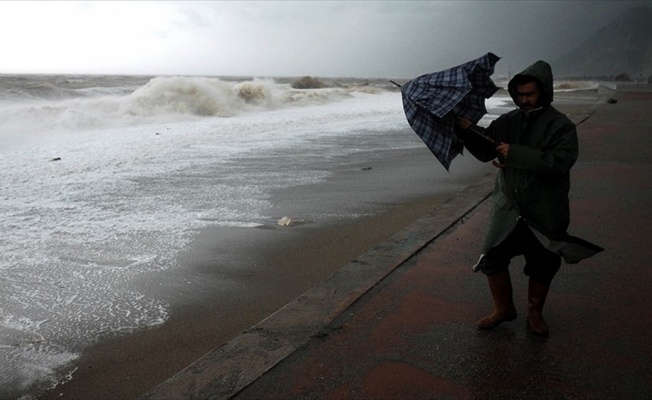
<point x="196" y="326"/>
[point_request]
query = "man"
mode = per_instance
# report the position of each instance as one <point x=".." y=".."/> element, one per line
<point x="536" y="146"/>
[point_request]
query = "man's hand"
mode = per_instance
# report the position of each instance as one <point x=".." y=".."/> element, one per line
<point x="464" y="123"/>
<point x="503" y="149"/>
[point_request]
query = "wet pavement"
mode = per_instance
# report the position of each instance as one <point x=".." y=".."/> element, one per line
<point x="399" y="321"/>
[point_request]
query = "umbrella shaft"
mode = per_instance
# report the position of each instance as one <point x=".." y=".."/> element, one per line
<point x="482" y="135"/>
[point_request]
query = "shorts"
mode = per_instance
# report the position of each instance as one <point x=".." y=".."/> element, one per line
<point x="540" y="264"/>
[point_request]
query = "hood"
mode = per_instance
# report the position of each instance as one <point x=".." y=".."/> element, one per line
<point x="542" y="72"/>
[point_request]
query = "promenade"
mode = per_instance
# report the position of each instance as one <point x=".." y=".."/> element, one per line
<point x="399" y="321"/>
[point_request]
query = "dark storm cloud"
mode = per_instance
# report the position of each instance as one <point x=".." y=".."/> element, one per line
<point x="521" y="32"/>
<point x="404" y="39"/>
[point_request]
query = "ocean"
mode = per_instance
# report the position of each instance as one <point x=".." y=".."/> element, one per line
<point x="107" y="179"/>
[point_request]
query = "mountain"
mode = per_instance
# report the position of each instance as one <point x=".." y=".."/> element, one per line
<point x="624" y="46"/>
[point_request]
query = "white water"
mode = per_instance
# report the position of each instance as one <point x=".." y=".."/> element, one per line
<point x="105" y="183"/>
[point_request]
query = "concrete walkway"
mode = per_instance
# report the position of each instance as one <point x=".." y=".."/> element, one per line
<point x="399" y="322"/>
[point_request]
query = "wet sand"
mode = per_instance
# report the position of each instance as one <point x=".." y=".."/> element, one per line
<point x="231" y="279"/>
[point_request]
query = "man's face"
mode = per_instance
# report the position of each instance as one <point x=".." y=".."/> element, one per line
<point x="527" y="96"/>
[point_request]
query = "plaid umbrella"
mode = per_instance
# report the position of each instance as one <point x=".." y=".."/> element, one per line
<point x="433" y="101"/>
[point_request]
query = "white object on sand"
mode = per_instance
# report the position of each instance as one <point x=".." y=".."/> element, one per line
<point x="285" y="221"/>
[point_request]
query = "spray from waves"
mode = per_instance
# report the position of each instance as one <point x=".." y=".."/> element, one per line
<point x="43" y="107"/>
<point x="183" y="96"/>
<point x="204" y="97"/>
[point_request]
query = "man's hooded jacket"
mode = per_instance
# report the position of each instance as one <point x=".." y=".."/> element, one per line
<point x="533" y="186"/>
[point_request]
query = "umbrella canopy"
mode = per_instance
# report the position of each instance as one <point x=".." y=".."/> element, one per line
<point x="432" y="102"/>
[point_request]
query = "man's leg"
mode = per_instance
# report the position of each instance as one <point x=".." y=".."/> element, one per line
<point x="541" y="266"/>
<point x="495" y="265"/>
<point x="537" y="294"/>
<point x="500" y="285"/>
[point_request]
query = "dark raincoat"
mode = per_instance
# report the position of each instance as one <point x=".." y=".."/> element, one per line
<point x="534" y="184"/>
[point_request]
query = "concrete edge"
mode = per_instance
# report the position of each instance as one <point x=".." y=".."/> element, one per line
<point x="228" y="369"/>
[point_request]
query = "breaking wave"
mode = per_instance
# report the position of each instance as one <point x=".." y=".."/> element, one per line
<point x="47" y="107"/>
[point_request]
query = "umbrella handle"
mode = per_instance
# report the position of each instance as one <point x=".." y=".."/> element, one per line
<point x="487" y="138"/>
<point x="395" y="83"/>
<point x="477" y="132"/>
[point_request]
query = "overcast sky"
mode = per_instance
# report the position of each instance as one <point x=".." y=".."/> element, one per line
<point x="387" y="39"/>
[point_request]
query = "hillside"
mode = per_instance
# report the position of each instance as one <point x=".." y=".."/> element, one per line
<point x="623" y="46"/>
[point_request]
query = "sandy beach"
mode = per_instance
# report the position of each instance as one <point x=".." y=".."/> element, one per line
<point x="279" y="263"/>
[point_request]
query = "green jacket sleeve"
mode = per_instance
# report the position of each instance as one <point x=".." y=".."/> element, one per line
<point x="557" y="156"/>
